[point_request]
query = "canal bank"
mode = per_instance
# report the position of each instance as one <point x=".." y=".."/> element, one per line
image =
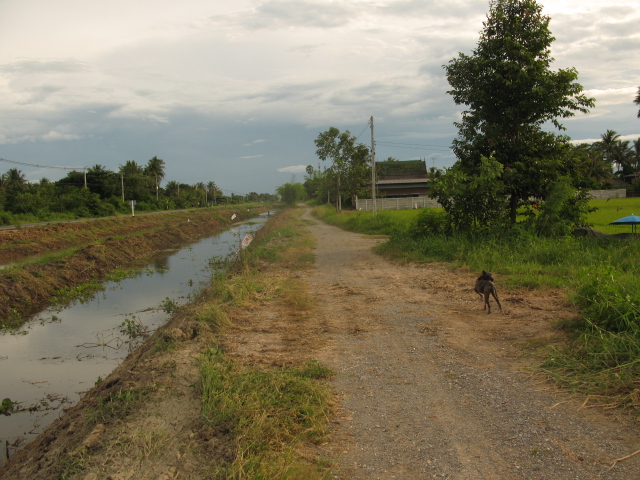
<point x="61" y="352"/>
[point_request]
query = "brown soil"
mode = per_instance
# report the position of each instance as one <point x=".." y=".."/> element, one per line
<point x="101" y="247"/>
<point x="427" y="385"/>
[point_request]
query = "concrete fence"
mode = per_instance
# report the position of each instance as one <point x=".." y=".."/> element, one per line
<point x="604" y="194"/>
<point x="408" y="203"/>
<point x="404" y="203"/>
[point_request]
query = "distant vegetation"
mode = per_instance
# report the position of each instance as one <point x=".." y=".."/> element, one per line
<point x="99" y="192"/>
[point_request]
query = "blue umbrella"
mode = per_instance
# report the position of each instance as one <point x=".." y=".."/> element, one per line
<point x="632" y="220"/>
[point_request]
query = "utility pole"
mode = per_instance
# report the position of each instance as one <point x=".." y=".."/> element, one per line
<point x="85" y="177"/>
<point x="122" y="185"/>
<point x="373" y="170"/>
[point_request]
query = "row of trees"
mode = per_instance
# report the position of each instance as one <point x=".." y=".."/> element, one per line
<point x="101" y="192"/>
<point x="507" y="162"/>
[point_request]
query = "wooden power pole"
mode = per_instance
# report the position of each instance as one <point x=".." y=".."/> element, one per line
<point x="373" y="170"/>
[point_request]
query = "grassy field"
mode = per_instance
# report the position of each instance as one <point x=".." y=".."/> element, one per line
<point x="600" y="275"/>
<point x="610" y="210"/>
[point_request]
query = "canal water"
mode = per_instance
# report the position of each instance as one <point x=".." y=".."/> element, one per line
<point x="48" y="363"/>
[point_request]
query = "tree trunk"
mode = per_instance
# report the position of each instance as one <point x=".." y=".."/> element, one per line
<point x="513" y="210"/>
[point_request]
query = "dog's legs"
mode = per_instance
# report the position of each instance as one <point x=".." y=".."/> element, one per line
<point x="487" y="305"/>
<point x="494" y="292"/>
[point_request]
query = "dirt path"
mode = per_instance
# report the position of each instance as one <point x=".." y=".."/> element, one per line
<point x="429" y="386"/>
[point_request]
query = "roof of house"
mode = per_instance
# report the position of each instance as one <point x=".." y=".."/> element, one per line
<point x="403" y="169"/>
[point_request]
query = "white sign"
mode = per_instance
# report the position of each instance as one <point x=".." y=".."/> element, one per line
<point x="246" y="241"/>
<point x="233" y="217"/>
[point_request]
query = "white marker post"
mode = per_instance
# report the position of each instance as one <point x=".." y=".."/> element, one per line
<point x="133" y="202"/>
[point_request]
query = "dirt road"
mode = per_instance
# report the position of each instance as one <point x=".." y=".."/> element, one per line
<point x="427" y="384"/>
<point x="431" y="387"/>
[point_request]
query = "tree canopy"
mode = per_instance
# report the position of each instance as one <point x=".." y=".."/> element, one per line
<point x="510" y="93"/>
<point x="350" y="171"/>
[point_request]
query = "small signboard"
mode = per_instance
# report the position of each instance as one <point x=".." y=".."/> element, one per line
<point x="233" y="217"/>
<point x="246" y="241"/>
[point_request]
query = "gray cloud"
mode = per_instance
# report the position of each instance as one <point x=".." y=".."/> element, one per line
<point x="34" y="67"/>
<point x="276" y="14"/>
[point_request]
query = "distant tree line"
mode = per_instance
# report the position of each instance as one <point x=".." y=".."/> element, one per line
<point x="99" y="192"/>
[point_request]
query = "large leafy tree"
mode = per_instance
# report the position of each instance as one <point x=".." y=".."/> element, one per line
<point x="349" y="169"/>
<point x="510" y="92"/>
<point x="103" y="182"/>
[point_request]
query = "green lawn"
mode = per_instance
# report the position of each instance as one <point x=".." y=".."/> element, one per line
<point x="613" y="209"/>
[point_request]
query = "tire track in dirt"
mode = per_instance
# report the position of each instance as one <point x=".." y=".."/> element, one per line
<point x="431" y="387"/>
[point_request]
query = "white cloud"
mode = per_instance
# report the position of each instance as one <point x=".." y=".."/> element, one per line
<point x="255" y="142"/>
<point x="56" y="136"/>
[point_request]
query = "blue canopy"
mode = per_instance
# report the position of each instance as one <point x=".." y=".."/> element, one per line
<point x="632" y="220"/>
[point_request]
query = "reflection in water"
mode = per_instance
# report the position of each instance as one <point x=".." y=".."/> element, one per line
<point x="160" y="264"/>
<point x="60" y="353"/>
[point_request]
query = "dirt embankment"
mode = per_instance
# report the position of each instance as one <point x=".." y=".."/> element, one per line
<point x="427" y="384"/>
<point x="101" y="247"/>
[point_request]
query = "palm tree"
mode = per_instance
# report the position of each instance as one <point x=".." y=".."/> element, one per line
<point x="15" y="177"/>
<point x="212" y="188"/>
<point x="608" y="141"/>
<point x="637" y="101"/>
<point x="155" y="168"/>
<point x="131" y="169"/>
<point x="172" y="189"/>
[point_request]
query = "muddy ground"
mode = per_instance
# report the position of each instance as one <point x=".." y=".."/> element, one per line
<point x="427" y="384"/>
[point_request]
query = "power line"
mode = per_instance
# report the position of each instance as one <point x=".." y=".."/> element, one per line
<point x="364" y="129"/>
<point x="39" y="166"/>
<point x="411" y="145"/>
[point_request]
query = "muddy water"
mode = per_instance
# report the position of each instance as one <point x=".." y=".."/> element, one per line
<point x="48" y="363"/>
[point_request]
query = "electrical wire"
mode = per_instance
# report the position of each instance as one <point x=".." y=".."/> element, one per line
<point x="39" y="166"/>
<point x="411" y="145"/>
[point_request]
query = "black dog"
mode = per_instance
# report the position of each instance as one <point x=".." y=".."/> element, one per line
<point x="485" y="287"/>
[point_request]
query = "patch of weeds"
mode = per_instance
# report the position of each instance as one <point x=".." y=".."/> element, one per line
<point x="80" y="293"/>
<point x="143" y="444"/>
<point x="72" y="464"/>
<point x="213" y="315"/>
<point x="134" y="330"/>
<point x="268" y="413"/>
<point x="7" y="406"/>
<point x="121" y="274"/>
<point x="116" y="405"/>
<point x="169" y="306"/>
<point x="164" y="343"/>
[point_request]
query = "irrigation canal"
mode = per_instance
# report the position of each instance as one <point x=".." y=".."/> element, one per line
<point x="49" y="362"/>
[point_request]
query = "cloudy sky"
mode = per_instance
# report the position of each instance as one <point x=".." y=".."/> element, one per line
<point x="235" y="92"/>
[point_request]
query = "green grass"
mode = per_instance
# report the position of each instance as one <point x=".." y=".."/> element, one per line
<point x="613" y="209"/>
<point x="267" y="413"/>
